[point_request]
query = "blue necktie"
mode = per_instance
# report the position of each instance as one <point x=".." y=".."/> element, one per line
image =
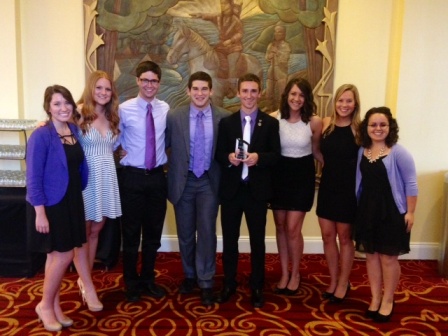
<point x="199" y="146"/>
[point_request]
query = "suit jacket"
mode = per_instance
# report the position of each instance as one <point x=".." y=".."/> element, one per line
<point x="47" y="170"/>
<point x="177" y="140"/>
<point x="265" y="141"/>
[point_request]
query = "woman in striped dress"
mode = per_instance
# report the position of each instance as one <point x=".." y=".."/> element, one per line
<point x="98" y="131"/>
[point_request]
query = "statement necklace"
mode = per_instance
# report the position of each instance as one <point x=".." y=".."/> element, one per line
<point x="380" y="154"/>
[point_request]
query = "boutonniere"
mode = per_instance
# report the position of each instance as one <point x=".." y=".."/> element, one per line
<point x="259" y="122"/>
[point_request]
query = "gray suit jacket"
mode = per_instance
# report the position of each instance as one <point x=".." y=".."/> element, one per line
<point x="177" y="140"/>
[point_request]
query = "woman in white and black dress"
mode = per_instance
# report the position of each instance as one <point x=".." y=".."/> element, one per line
<point x="294" y="177"/>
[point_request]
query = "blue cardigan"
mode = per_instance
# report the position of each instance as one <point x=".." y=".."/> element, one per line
<point x="47" y="171"/>
<point x="401" y="172"/>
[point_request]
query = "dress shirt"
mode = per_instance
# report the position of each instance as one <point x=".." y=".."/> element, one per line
<point x="133" y="130"/>
<point x="208" y="129"/>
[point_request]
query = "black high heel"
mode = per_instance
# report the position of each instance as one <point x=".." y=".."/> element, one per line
<point x="380" y="318"/>
<point x="327" y="295"/>
<point x="279" y="290"/>
<point x="371" y="314"/>
<point x="335" y="299"/>
<point x="292" y="292"/>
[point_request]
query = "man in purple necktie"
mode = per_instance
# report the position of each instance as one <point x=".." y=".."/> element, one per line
<point x="193" y="179"/>
<point x="143" y="187"/>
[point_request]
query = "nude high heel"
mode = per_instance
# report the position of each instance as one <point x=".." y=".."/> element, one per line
<point x="49" y="327"/>
<point x="94" y="307"/>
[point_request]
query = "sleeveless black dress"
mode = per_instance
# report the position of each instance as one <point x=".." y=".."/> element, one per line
<point x="336" y="200"/>
<point x="379" y="226"/>
<point x="66" y="218"/>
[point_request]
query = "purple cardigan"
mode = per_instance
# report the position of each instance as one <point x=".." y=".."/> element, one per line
<point x="47" y="171"/>
<point x="401" y="172"/>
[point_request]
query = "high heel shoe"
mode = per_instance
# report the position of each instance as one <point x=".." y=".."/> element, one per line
<point x="66" y="322"/>
<point x="279" y="291"/>
<point x="94" y="307"/>
<point x="380" y="318"/>
<point x="335" y="299"/>
<point x="49" y="327"/>
<point x="291" y="292"/>
<point x="371" y="314"/>
<point x="327" y="295"/>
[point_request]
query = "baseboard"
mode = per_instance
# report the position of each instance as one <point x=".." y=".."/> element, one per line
<point x="313" y="245"/>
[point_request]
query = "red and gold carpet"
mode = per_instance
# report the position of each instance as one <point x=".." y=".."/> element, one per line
<point x="421" y="304"/>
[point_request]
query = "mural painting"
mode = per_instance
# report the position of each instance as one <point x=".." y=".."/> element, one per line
<point x="276" y="40"/>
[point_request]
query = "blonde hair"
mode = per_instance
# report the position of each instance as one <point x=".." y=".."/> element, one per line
<point x="355" y="116"/>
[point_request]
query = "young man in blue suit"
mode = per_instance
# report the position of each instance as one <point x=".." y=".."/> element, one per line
<point x="193" y="181"/>
<point x="246" y="184"/>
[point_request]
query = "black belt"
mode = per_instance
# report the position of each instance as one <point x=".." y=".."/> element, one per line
<point x="143" y="171"/>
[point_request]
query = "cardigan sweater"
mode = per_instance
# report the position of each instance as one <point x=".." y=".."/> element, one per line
<point x="401" y="173"/>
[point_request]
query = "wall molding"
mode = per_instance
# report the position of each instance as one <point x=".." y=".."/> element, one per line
<point x="313" y="245"/>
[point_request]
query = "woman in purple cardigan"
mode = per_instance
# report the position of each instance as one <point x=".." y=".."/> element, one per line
<point x="386" y="188"/>
<point x="56" y="174"/>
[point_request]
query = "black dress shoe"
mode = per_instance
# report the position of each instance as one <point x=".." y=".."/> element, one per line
<point x="257" y="298"/>
<point x="225" y="294"/>
<point x="207" y="298"/>
<point x="380" y="318"/>
<point x="187" y="286"/>
<point x="132" y="295"/>
<point x="327" y="295"/>
<point x="335" y="299"/>
<point x="153" y="290"/>
<point x="371" y="314"/>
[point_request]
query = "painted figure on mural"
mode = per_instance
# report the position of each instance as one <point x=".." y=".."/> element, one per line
<point x="230" y="36"/>
<point x="277" y="55"/>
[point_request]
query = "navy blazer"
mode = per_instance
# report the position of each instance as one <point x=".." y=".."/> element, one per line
<point x="265" y="141"/>
<point x="47" y="170"/>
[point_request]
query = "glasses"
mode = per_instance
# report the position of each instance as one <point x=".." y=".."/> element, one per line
<point x="378" y="125"/>
<point x="149" y="81"/>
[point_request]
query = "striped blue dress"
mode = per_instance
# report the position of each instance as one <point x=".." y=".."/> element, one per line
<point x="101" y="196"/>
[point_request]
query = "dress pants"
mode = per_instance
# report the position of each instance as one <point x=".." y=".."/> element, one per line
<point x="255" y="212"/>
<point x="143" y="199"/>
<point x="196" y="213"/>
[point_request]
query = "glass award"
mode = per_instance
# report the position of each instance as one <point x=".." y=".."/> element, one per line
<point x="241" y="149"/>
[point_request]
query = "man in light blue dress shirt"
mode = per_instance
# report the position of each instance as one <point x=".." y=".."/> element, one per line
<point x="143" y="190"/>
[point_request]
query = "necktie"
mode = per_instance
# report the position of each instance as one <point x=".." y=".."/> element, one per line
<point x="150" y="150"/>
<point x="246" y="138"/>
<point x="199" y="146"/>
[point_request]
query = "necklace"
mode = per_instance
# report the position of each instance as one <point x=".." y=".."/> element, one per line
<point x="380" y="154"/>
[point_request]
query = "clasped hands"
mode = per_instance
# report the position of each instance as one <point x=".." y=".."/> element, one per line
<point x="251" y="159"/>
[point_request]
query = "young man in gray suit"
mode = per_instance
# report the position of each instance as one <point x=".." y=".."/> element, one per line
<point x="193" y="181"/>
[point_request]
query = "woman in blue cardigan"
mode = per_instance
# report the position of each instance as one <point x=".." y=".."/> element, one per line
<point x="56" y="175"/>
<point x="386" y="188"/>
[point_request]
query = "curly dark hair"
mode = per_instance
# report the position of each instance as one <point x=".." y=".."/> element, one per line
<point x="363" y="137"/>
<point x="309" y="107"/>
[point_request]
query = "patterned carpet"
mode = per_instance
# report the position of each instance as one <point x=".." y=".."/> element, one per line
<point x="421" y="304"/>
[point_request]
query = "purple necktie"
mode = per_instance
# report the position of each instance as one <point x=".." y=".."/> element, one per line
<point x="199" y="146"/>
<point x="150" y="151"/>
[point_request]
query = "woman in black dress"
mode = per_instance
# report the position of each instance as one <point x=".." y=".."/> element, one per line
<point x="386" y="188"/>
<point x="56" y="174"/>
<point x="336" y="202"/>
